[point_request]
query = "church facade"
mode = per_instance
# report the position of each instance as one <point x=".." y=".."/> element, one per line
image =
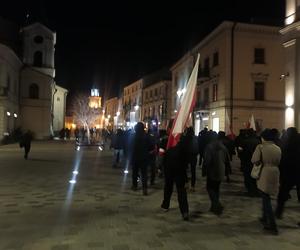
<point x="29" y="95"/>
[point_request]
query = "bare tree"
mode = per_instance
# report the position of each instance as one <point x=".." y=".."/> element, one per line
<point x="83" y="113"/>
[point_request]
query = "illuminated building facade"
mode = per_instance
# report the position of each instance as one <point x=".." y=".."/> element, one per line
<point x="239" y="75"/>
<point x="291" y="73"/>
<point x="29" y="95"/>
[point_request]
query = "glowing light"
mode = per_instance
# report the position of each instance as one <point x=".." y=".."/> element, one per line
<point x="175" y="111"/>
<point x="15" y="115"/>
<point x="126" y="171"/>
<point x="73" y="125"/>
<point x="118" y="113"/>
<point x="289" y="117"/>
<point x="153" y="123"/>
<point x="75" y="172"/>
<point x="289" y="100"/>
<point x="108" y="116"/>
<point x="159" y="123"/>
<point x="8" y="113"/>
<point x="100" y="148"/>
<point x="205" y="119"/>
<point x="289" y="20"/>
<point x="78" y="148"/>
<point x="178" y="93"/>
<point x="136" y="107"/>
<point x="213" y="113"/>
<point x="72" y="181"/>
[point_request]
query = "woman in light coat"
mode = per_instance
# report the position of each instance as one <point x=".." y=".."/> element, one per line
<point x="269" y="155"/>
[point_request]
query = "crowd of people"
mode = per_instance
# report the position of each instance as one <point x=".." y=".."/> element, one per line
<point x="277" y="153"/>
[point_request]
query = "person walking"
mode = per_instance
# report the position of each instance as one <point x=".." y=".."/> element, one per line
<point x="140" y="156"/>
<point x="268" y="154"/>
<point x="289" y="168"/>
<point x="193" y="150"/>
<point x="175" y="163"/>
<point x="118" y="144"/>
<point x="26" y="143"/>
<point x="216" y="161"/>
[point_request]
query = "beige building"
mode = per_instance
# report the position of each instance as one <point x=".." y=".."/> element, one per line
<point x="132" y="102"/>
<point x="156" y="98"/>
<point x="113" y="108"/>
<point x="29" y="96"/>
<point x="239" y="76"/>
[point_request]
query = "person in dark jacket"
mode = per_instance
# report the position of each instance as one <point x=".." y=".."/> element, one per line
<point x="229" y="144"/>
<point x="141" y="148"/>
<point x="26" y="143"/>
<point x="247" y="147"/>
<point x="202" y="143"/>
<point x="193" y="150"/>
<point x="289" y="168"/>
<point x="216" y="160"/>
<point x="175" y="171"/>
<point x="118" y="144"/>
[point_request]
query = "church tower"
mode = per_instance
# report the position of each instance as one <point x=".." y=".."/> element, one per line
<point x="291" y="75"/>
<point x="37" y="85"/>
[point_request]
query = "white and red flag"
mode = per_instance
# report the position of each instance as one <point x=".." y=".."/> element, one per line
<point x="186" y="107"/>
<point x="228" y="127"/>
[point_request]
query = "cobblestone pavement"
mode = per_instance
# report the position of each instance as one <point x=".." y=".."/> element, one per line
<point x="40" y="210"/>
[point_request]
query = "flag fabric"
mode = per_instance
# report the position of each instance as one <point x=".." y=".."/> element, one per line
<point x="228" y="127"/>
<point x="252" y="123"/>
<point x="186" y="107"/>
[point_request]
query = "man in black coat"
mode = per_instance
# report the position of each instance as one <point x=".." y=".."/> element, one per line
<point x="289" y="168"/>
<point x="141" y="148"/>
<point x="26" y="143"/>
<point x="175" y="167"/>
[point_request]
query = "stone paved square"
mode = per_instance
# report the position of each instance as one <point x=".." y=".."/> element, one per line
<point x="41" y="210"/>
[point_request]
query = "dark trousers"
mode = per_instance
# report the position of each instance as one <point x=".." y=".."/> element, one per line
<point x="267" y="211"/>
<point x="283" y="195"/>
<point x="193" y="163"/>
<point x="152" y="165"/>
<point x="181" y="192"/>
<point x="249" y="182"/>
<point x="135" y="171"/>
<point x="213" y="189"/>
<point x="27" y="150"/>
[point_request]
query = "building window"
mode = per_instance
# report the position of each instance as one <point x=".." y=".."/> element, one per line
<point x="206" y="67"/>
<point x="215" y="92"/>
<point x="147" y="95"/>
<point x="206" y="96"/>
<point x="38" y="39"/>
<point x="58" y="99"/>
<point x="155" y="92"/>
<point x="216" y="59"/>
<point x="38" y="59"/>
<point x="34" y="91"/>
<point x="150" y="93"/>
<point x="259" y="56"/>
<point x="259" y="91"/>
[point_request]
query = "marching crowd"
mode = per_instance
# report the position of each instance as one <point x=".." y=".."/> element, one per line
<point x="269" y="163"/>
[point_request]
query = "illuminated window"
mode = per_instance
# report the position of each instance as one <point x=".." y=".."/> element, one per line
<point x="34" y="91"/>
<point x="259" y="56"/>
<point x="259" y="91"/>
<point x="215" y="92"/>
<point x="216" y="59"/>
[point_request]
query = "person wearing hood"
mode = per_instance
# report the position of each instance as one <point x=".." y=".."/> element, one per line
<point x="216" y="161"/>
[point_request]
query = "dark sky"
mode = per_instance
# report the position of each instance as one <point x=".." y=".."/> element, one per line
<point x="111" y="43"/>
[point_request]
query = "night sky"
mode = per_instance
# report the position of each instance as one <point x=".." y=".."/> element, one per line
<point x="113" y="43"/>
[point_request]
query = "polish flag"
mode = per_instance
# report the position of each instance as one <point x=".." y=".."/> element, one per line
<point x="187" y="105"/>
<point x="252" y="123"/>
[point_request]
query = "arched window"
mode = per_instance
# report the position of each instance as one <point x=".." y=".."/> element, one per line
<point x="34" y="91"/>
<point x="38" y="59"/>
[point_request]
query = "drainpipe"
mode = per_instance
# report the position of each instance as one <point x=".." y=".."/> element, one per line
<point x="232" y="74"/>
